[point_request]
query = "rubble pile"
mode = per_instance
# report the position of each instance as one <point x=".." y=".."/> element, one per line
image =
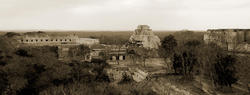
<point x="116" y="75"/>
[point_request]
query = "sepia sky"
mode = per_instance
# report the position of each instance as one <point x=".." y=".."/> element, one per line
<point x="123" y="14"/>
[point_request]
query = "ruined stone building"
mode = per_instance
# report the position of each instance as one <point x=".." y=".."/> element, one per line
<point x="111" y="52"/>
<point x="229" y="39"/>
<point x="46" y="40"/>
<point x="63" y="43"/>
<point x="72" y="52"/>
<point x="144" y="37"/>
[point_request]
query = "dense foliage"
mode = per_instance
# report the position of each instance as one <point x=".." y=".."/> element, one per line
<point x="168" y="45"/>
<point x="191" y="57"/>
<point x="37" y="71"/>
<point x="32" y="70"/>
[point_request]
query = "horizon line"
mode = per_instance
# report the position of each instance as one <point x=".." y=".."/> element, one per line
<point x="64" y="30"/>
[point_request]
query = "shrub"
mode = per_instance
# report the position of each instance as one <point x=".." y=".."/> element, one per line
<point x="23" y="53"/>
<point x="11" y="34"/>
<point x="3" y="81"/>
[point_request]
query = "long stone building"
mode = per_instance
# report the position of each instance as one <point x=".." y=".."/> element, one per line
<point x="229" y="39"/>
<point x="63" y="43"/>
<point x="42" y="39"/>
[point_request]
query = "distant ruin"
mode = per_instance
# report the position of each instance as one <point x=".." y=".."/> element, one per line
<point x="229" y="39"/>
<point x="42" y="39"/>
<point x="112" y="53"/>
<point x="144" y="37"/>
<point x="63" y="43"/>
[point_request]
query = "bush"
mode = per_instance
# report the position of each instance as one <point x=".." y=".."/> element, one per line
<point x="23" y="53"/>
<point x="11" y="34"/>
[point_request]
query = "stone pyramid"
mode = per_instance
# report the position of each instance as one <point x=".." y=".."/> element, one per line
<point x="143" y="36"/>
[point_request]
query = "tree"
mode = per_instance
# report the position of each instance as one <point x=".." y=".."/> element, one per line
<point x="193" y="43"/>
<point x="185" y="58"/>
<point x="168" y="44"/>
<point x="216" y="65"/>
<point x="225" y="70"/>
<point x="177" y="63"/>
<point x="184" y="62"/>
<point x="79" y="51"/>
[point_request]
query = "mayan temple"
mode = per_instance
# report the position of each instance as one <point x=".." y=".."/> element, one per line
<point x="144" y="37"/>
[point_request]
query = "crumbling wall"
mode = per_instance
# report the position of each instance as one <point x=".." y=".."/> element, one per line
<point x="63" y="52"/>
<point x="229" y="39"/>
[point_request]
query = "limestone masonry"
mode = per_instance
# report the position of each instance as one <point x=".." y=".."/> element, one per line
<point x="229" y="39"/>
<point x="42" y="39"/>
<point x="144" y="37"/>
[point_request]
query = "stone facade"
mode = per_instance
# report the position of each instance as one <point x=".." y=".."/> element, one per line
<point x="63" y="52"/>
<point x="112" y="52"/>
<point x="144" y="37"/>
<point x="229" y="39"/>
<point x="63" y="43"/>
<point x="87" y="41"/>
<point x="46" y="40"/>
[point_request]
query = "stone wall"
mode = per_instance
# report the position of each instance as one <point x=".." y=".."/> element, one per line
<point x="88" y="41"/>
<point x="63" y="52"/>
<point x="229" y="39"/>
<point x="46" y="40"/>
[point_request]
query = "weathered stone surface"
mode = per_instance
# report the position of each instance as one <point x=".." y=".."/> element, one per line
<point x="139" y="75"/>
<point x="44" y="39"/>
<point x="229" y="39"/>
<point x="143" y="36"/>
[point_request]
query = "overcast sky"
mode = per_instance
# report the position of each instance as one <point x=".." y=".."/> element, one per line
<point x="123" y="14"/>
